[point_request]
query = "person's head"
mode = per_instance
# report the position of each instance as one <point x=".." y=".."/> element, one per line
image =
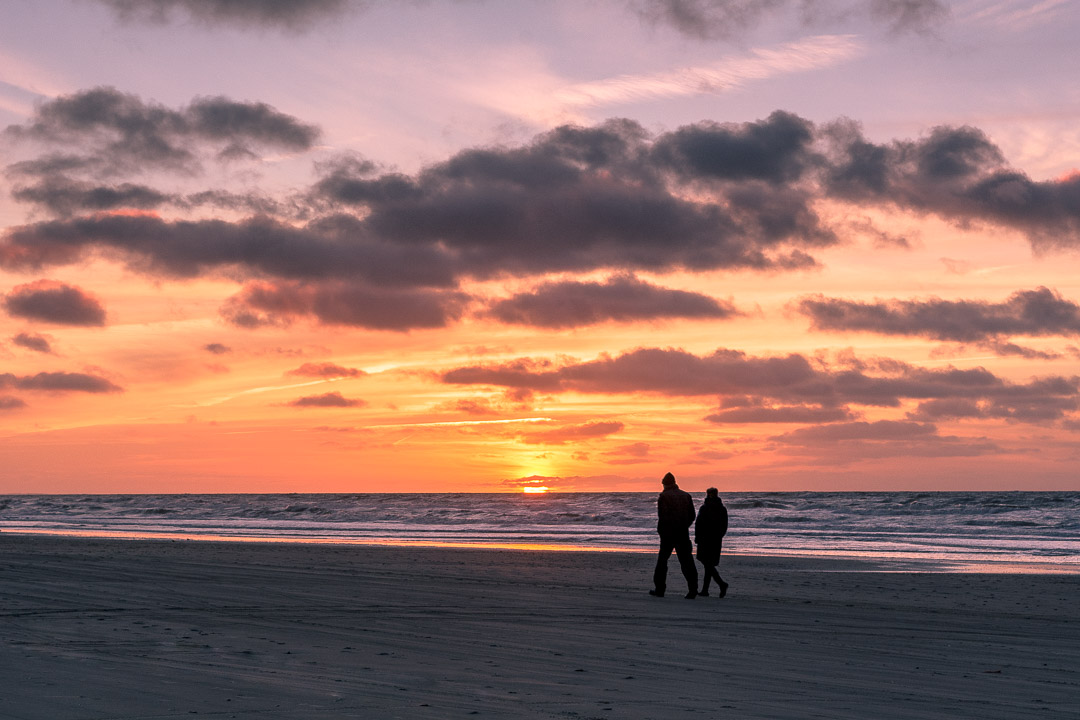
<point x="712" y="493"/>
<point x="669" y="481"/>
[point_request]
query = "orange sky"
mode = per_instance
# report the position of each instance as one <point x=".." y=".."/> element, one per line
<point x="263" y="285"/>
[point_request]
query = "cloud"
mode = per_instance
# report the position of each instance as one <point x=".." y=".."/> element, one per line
<point x="354" y="305"/>
<point x="64" y="196"/>
<point x="115" y="132"/>
<point x="1032" y="313"/>
<point x="217" y="349"/>
<point x="781" y="414"/>
<point x="957" y="174"/>
<point x="880" y="430"/>
<point x="54" y="302"/>
<point x="33" y="341"/>
<point x="280" y="14"/>
<point x="573" y="433"/>
<point x="621" y="298"/>
<point x="471" y="406"/>
<point x="1035" y="409"/>
<point x="632" y="454"/>
<point x="730" y="19"/>
<point x="332" y="399"/>
<point x="728" y="74"/>
<point x="59" y="382"/>
<point x="579" y="199"/>
<point x="707" y="196"/>
<point x="847" y="442"/>
<point x="7" y="402"/>
<point x="779" y="383"/>
<point x="260" y="246"/>
<point x="325" y="370"/>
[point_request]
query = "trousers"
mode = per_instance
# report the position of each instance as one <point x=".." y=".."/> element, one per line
<point x="684" y="551"/>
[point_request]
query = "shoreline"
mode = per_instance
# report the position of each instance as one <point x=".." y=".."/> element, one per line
<point x="857" y="562"/>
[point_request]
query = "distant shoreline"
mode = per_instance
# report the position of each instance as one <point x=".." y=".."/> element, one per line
<point x="821" y="561"/>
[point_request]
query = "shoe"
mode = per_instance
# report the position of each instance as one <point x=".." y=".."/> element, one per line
<point x="723" y="589"/>
<point x="656" y="593"/>
<point x="703" y="593"/>
<point x="691" y="595"/>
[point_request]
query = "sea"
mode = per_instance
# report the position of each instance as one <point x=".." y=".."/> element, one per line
<point x="1039" y="531"/>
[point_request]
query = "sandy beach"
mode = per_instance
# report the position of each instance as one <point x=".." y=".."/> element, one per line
<point x="111" y="629"/>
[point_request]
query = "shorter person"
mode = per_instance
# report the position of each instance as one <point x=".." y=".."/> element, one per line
<point x="709" y="531"/>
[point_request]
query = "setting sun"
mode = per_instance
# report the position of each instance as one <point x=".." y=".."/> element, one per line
<point x="534" y="490"/>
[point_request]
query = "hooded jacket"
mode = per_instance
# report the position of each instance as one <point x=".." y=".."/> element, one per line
<point x="709" y="530"/>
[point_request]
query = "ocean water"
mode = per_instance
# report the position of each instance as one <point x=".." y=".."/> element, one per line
<point x="1034" y="528"/>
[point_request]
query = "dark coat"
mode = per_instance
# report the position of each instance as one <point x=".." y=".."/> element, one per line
<point x="709" y="531"/>
<point x="675" y="512"/>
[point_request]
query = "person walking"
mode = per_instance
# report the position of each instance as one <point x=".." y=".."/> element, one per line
<point x="675" y="513"/>
<point x="709" y="531"/>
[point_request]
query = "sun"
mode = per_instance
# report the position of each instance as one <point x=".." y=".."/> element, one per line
<point x="534" y="489"/>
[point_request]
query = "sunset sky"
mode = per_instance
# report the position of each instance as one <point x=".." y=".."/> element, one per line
<point x="477" y="245"/>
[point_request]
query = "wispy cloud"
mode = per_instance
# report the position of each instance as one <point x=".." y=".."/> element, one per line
<point x="728" y="74"/>
<point x="453" y="423"/>
<point x="1015" y="14"/>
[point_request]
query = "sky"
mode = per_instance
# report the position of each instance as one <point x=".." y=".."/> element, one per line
<point x="480" y="245"/>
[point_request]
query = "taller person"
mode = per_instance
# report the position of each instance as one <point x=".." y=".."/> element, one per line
<point x="675" y="513"/>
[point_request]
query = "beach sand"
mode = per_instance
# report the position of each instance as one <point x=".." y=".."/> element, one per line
<point x="110" y="629"/>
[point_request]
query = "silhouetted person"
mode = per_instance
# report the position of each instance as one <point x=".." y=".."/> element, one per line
<point x="675" y="512"/>
<point x="709" y="531"/>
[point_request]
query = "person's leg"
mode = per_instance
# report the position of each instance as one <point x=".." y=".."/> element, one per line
<point x="660" y="574"/>
<point x="708" y="576"/>
<point x="685" y="551"/>
<point x="720" y="581"/>
<point x="707" y="571"/>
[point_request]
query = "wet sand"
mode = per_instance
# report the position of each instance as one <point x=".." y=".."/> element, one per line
<point x="115" y="629"/>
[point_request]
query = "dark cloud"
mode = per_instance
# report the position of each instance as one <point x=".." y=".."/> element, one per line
<point x="325" y="370"/>
<point x="54" y="302"/>
<point x="776" y="150"/>
<point x="7" y="402"/>
<point x="282" y="14"/>
<point x="861" y="430"/>
<point x="782" y="414"/>
<point x="852" y="441"/>
<point x="575" y="200"/>
<point x="33" y="341"/>
<point x="332" y="399"/>
<point x="767" y="382"/>
<point x="573" y="433"/>
<point x="730" y="19"/>
<point x="477" y="407"/>
<point x="64" y="196"/>
<point x="1031" y="409"/>
<point x="118" y="132"/>
<point x="217" y="348"/>
<point x="578" y="199"/>
<point x="1032" y="313"/>
<point x="59" y="382"/>
<point x="353" y="305"/>
<point x="957" y="174"/>
<point x="622" y="298"/>
<point x="260" y="246"/>
<point x="632" y="454"/>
